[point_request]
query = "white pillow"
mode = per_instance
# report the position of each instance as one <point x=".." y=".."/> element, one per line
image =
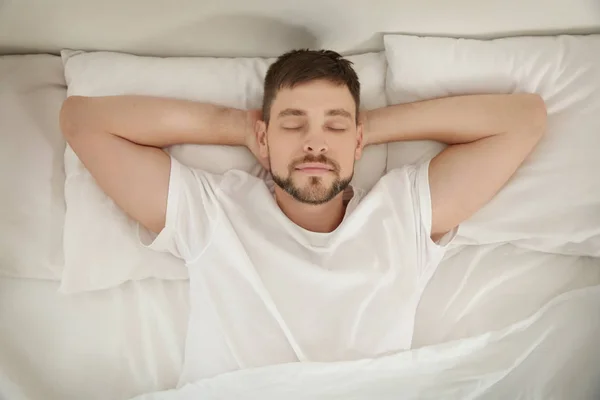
<point x="553" y="202"/>
<point x="32" y="209"/>
<point x="101" y="244"/>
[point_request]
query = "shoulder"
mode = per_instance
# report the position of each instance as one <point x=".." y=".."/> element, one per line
<point x="411" y="179"/>
<point x="404" y="191"/>
<point x="197" y="182"/>
<point x="237" y="183"/>
<point x="239" y="177"/>
<point x="232" y="178"/>
<point x="407" y="171"/>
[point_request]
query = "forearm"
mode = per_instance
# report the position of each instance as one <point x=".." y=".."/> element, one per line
<point x="453" y="120"/>
<point x="154" y="121"/>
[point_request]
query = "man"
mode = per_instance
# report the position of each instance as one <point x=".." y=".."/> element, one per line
<point x="305" y="267"/>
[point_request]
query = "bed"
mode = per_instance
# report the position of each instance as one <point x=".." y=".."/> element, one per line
<point x="511" y="312"/>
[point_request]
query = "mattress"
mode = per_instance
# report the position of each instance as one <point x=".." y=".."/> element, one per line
<point x="129" y="340"/>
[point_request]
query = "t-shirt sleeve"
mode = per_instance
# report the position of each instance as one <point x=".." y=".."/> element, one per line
<point x="411" y="185"/>
<point x="193" y="212"/>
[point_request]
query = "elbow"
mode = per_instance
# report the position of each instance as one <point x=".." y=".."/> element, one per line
<point x="535" y="114"/>
<point x="69" y="115"/>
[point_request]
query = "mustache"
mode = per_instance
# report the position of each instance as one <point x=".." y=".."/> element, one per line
<point x="322" y="159"/>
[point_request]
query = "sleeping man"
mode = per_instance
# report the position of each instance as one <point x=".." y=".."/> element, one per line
<point x="299" y="265"/>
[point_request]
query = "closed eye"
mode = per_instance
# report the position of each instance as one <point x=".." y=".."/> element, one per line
<point x="292" y="128"/>
<point x="331" y="128"/>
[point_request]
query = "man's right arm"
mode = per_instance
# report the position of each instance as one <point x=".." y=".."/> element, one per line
<point x="119" y="139"/>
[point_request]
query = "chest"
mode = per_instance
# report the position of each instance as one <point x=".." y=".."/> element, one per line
<point x="370" y="238"/>
<point x="266" y="293"/>
<point x="319" y="285"/>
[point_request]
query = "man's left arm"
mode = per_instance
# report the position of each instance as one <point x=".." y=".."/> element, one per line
<point x="489" y="137"/>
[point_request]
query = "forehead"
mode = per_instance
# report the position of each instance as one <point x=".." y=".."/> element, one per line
<point x="314" y="96"/>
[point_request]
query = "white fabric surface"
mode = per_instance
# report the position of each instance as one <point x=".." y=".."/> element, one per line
<point x="129" y="340"/>
<point x="299" y="295"/>
<point x="103" y="345"/>
<point x="496" y="322"/>
<point x="93" y="219"/>
<point x="240" y="28"/>
<point x="552" y="354"/>
<point x="553" y="201"/>
<point x="32" y="203"/>
<point x="477" y="289"/>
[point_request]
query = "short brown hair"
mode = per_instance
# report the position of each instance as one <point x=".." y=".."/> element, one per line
<point x="299" y="66"/>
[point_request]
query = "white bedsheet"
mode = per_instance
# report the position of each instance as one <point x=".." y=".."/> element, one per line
<point x="552" y="354"/>
<point x="110" y="344"/>
<point x="488" y="311"/>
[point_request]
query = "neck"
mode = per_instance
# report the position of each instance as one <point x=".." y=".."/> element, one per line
<point x="321" y="218"/>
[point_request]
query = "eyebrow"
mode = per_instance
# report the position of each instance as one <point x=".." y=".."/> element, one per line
<point x="336" y="112"/>
<point x="291" y="112"/>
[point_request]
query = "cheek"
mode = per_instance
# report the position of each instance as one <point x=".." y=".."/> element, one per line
<point x="347" y="165"/>
<point x="346" y="154"/>
<point x="281" y="152"/>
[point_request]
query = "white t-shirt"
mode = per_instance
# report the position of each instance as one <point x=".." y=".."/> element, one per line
<point x="265" y="291"/>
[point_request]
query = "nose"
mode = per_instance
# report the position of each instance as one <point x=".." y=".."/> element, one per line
<point x="316" y="145"/>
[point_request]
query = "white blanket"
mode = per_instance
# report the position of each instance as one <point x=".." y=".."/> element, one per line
<point x="480" y="317"/>
<point x="555" y="353"/>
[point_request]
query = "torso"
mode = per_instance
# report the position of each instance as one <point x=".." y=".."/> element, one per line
<point x="266" y="291"/>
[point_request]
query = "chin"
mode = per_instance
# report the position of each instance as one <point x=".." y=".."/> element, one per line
<point x="313" y="181"/>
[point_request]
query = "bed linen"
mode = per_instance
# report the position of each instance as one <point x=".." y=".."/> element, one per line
<point x="104" y="345"/>
<point x="477" y="315"/>
<point x="551" y="355"/>
<point x="494" y="318"/>
<point x="269" y="27"/>
<point x="32" y="178"/>
<point x="510" y="324"/>
<point x="552" y="202"/>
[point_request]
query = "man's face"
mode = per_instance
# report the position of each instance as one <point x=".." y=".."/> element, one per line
<point x="312" y="140"/>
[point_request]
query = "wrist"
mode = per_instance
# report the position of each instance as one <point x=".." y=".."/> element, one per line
<point x="226" y="126"/>
<point x="389" y="124"/>
<point x="250" y="119"/>
<point x="363" y="120"/>
<point x="369" y="134"/>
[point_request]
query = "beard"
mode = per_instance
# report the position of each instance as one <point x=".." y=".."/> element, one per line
<point x="314" y="191"/>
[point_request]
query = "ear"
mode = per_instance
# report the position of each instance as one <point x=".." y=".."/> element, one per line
<point x="261" y="138"/>
<point x="360" y="142"/>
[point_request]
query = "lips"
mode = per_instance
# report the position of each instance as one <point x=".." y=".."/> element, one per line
<point x="314" y="167"/>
